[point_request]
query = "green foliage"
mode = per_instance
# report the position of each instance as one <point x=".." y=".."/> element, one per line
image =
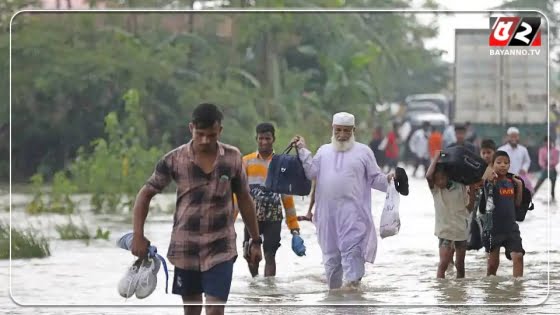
<point x="115" y="167"/>
<point x="36" y="205"/>
<point x="57" y="200"/>
<point x="103" y="235"/>
<point x="26" y="243"/>
<point x="296" y="70"/>
<point x="71" y="231"/>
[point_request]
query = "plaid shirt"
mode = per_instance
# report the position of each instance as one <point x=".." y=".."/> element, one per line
<point x="203" y="231"/>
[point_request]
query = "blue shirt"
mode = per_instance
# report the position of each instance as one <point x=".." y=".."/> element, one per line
<point x="503" y="218"/>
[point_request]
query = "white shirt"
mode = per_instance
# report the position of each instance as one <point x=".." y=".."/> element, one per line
<point x="419" y="144"/>
<point x="518" y="157"/>
<point x="404" y="131"/>
<point x="449" y="136"/>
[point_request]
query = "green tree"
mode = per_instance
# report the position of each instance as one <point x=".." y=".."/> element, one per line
<point x="295" y="70"/>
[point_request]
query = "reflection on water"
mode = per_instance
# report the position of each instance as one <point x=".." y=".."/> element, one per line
<point x="502" y="291"/>
<point x="403" y="274"/>
<point x="452" y="291"/>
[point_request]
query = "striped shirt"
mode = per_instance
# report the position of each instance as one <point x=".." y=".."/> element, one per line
<point x="203" y="232"/>
<point x="268" y="204"/>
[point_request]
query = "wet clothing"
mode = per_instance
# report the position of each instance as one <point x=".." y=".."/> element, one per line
<point x="511" y="241"/>
<point x="270" y="236"/>
<point x="504" y="230"/>
<point x="215" y="281"/>
<point x="343" y="219"/>
<point x="452" y="244"/>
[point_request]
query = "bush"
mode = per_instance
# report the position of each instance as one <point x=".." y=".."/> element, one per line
<point x="112" y="169"/>
<point x="119" y="164"/>
<point x="71" y="231"/>
<point x="25" y="243"/>
<point x="58" y="200"/>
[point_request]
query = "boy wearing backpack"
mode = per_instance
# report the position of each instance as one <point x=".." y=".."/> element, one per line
<point x="477" y="221"/>
<point x="504" y="196"/>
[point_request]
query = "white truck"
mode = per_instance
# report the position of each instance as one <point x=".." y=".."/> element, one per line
<point x="499" y="90"/>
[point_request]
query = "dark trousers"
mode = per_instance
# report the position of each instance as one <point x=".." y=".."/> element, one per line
<point x="544" y="175"/>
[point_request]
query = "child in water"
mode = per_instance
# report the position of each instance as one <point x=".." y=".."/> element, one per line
<point x="504" y="194"/>
<point x="452" y="201"/>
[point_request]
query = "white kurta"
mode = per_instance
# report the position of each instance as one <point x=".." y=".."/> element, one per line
<point x="343" y="219"/>
<point x="419" y="144"/>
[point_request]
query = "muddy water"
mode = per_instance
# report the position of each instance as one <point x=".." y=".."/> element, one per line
<point x="402" y="280"/>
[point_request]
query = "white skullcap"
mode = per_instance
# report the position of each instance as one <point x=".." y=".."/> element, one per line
<point x="512" y="130"/>
<point x="343" y="119"/>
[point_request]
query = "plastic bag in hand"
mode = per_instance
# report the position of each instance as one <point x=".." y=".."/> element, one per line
<point x="390" y="221"/>
<point x="297" y="245"/>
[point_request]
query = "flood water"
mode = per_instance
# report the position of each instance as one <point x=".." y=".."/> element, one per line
<point x="402" y="280"/>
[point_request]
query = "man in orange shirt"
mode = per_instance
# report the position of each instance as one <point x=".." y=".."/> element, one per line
<point x="268" y="204"/>
<point x="435" y="142"/>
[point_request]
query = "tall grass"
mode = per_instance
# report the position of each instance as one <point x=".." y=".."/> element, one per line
<point x="26" y="243"/>
<point x="73" y="231"/>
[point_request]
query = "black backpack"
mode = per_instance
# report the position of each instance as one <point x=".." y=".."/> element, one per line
<point x="526" y="201"/>
<point x="286" y="174"/>
<point x="474" y="239"/>
<point x="462" y="165"/>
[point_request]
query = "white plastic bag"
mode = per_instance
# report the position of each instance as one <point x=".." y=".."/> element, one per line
<point x="390" y="221"/>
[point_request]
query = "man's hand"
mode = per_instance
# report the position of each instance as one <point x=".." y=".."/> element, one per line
<point x="390" y="177"/>
<point x="140" y="246"/>
<point x="255" y="253"/>
<point x="299" y="142"/>
<point x="309" y="215"/>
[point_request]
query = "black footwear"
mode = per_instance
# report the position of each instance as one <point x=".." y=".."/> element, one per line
<point x="401" y="181"/>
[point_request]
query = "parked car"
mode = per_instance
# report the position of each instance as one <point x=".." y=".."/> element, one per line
<point x="442" y="102"/>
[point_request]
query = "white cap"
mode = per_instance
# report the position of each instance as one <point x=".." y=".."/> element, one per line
<point x="512" y="130"/>
<point x="343" y="119"/>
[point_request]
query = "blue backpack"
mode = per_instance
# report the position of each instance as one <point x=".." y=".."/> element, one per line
<point x="286" y="174"/>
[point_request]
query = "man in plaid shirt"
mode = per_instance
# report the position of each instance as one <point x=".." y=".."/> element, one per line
<point x="202" y="248"/>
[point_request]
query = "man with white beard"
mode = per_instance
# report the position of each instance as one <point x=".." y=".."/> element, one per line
<point x="344" y="172"/>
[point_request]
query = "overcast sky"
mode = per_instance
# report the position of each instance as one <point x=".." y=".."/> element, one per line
<point x="448" y="23"/>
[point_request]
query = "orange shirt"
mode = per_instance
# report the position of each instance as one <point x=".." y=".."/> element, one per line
<point x="434" y="143"/>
